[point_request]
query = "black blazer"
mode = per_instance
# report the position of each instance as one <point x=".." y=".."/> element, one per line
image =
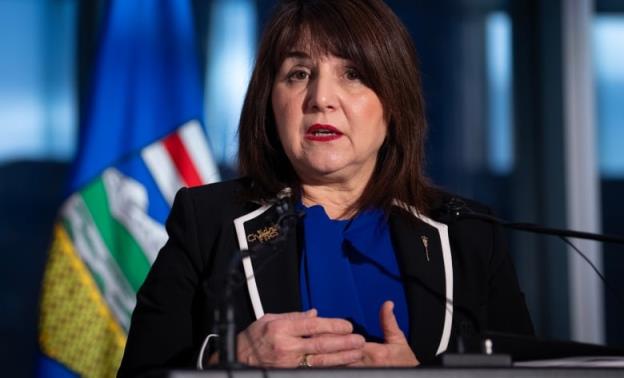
<point x="176" y="304"/>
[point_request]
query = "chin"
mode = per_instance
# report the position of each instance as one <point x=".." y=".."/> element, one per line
<point x="325" y="168"/>
<point x="328" y="174"/>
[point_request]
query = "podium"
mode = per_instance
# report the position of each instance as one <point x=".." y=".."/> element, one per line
<point x="532" y="357"/>
<point x="440" y="372"/>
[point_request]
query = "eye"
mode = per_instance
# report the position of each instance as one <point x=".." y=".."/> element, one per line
<point x="352" y="74"/>
<point x="297" y="75"/>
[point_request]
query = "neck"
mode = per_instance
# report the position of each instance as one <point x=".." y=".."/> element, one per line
<point x="337" y="200"/>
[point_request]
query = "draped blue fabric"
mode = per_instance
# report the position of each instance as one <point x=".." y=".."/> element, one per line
<point x="349" y="268"/>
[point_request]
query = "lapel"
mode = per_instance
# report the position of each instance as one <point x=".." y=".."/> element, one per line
<point x="425" y="280"/>
<point x="272" y="283"/>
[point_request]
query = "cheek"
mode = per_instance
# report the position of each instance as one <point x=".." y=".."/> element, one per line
<point x="288" y="116"/>
<point x="277" y="107"/>
<point x="367" y="104"/>
<point x="286" y="131"/>
<point x="378" y="132"/>
<point x="369" y="111"/>
<point x="279" y="113"/>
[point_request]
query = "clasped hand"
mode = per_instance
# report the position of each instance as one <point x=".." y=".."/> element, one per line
<point x="285" y="340"/>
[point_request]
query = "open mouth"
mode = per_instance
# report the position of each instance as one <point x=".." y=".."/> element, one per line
<point x="322" y="133"/>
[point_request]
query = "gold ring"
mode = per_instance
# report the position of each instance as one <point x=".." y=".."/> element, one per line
<point x="304" y="363"/>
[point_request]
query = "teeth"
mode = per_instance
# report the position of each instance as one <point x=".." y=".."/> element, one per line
<point x="323" y="132"/>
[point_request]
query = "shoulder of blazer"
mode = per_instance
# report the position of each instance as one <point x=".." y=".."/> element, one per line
<point x="219" y="191"/>
<point x="222" y="200"/>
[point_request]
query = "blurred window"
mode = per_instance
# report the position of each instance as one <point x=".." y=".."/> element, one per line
<point x="608" y="59"/>
<point x="231" y="50"/>
<point x="609" y="73"/>
<point x="38" y="107"/>
<point x="500" y="154"/>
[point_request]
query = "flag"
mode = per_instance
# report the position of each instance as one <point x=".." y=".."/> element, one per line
<point x="141" y="140"/>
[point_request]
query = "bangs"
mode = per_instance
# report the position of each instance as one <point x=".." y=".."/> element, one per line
<point x="315" y="40"/>
<point x="321" y="28"/>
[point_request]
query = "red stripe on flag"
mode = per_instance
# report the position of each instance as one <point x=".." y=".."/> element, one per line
<point x="182" y="160"/>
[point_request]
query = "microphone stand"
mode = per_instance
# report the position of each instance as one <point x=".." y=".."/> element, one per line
<point x="226" y="322"/>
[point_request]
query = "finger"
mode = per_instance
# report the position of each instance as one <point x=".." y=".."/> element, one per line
<point x="311" y="313"/>
<point x="330" y="343"/>
<point x="312" y="326"/>
<point x="292" y="315"/>
<point x="357" y="364"/>
<point x="391" y="330"/>
<point x="344" y="358"/>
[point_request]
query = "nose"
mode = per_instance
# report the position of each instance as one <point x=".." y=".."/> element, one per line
<point x="322" y="93"/>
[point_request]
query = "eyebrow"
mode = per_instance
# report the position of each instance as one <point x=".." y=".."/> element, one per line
<point x="297" y="54"/>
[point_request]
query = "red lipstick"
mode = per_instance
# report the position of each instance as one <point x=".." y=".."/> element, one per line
<point x="322" y="133"/>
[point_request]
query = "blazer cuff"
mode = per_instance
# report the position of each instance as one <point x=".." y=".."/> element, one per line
<point x="209" y="346"/>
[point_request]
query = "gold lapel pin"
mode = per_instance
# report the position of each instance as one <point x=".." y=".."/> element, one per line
<point x="265" y="234"/>
<point x="425" y="241"/>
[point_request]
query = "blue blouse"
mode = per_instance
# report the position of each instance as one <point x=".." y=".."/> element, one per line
<point x="349" y="268"/>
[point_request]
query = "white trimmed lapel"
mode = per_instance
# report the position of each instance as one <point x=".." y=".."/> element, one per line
<point x="259" y="228"/>
<point x="447" y="261"/>
<point x="243" y="245"/>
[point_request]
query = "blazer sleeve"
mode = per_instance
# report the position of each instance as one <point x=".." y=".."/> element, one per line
<point x="161" y="330"/>
<point x="507" y="310"/>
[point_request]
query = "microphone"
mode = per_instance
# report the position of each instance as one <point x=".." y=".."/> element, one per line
<point x="455" y="209"/>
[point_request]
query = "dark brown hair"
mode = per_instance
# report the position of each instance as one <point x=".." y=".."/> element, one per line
<point x="370" y="35"/>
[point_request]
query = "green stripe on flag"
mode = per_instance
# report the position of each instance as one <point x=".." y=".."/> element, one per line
<point x="122" y="246"/>
<point x="69" y="228"/>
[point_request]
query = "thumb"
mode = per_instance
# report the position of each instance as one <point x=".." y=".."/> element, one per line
<point x="389" y="326"/>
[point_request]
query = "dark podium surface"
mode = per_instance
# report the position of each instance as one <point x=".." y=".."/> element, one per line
<point x="398" y="373"/>
<point x="533" y="357"/>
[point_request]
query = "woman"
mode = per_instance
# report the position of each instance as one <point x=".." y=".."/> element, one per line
<point x="332" y="126"/>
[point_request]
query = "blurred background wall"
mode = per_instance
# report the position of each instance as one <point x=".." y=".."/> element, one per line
<point x="525" y="107"/>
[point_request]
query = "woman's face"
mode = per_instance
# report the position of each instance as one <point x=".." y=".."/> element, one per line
<point x="330" y="124"/>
